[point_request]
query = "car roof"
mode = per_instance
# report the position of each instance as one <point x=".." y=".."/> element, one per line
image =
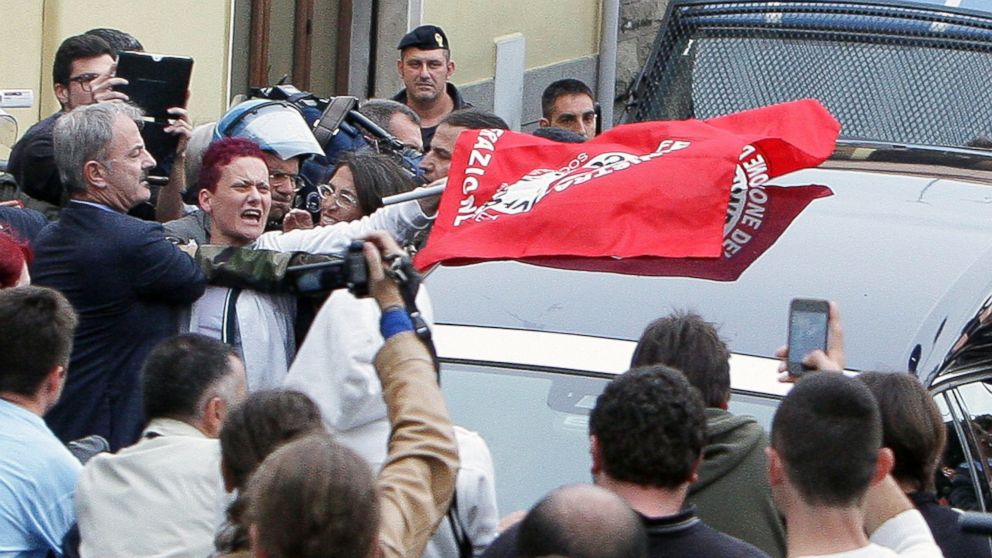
<point x="906" y="256"/>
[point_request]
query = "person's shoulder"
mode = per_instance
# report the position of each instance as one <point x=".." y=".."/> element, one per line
<point x="722" y="544"/>
<point x="457" y="97"/>
<point x="25" y="222"/>
<point x="41" y="130"/>
<point x="46" y="453"/>
<point x="722" y="425"/>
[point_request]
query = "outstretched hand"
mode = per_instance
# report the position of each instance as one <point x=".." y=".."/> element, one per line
<point x="832" y="359"/>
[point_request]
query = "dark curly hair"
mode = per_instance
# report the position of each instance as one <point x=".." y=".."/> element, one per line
<point x="684" y="340"/>
<point x="220" y="154"/>
<point x="650" y="426"/>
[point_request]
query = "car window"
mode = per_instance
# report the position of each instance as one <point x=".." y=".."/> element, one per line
<point x="966" y="469"/>
<point x="536" y="424"/>
<point x="762" y="408"/>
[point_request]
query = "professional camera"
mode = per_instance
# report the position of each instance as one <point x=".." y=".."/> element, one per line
<point x="339" y="127"/>
<point x="351" y="271"/>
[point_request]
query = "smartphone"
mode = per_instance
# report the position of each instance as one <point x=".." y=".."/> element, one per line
<point x="807" y="331"/>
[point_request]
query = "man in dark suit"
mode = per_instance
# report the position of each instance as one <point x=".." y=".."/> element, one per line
<point x="121" y="275"/>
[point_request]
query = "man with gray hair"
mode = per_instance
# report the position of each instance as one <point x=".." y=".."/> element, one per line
<point x="122" y="276"/>
<point x="397" y="119"/>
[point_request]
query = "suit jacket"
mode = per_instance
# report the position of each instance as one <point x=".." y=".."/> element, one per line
<point x="127" y="283"/>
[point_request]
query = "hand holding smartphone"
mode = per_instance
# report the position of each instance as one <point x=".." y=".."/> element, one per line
<point x="808" y="329"/>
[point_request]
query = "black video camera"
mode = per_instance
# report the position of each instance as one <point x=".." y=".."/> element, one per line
<point x="338" y="126"/>
<point x="351" y="271"/>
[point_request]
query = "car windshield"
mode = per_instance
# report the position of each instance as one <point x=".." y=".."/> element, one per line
<point x="542" y="421"/>
<point x="900" y="74"/>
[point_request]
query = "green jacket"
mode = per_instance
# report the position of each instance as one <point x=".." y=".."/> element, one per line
<point x="732" y="493"/>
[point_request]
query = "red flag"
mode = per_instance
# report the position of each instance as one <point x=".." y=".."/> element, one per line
<point x="649" y="189"/>
<point x="755" y="222"/>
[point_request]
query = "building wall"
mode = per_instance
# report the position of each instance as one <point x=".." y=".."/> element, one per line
<point x="197" y="28"/>
<point x="640" y="21"/>
<point x="556" y="31"/>
<point x="562" y="41"/>
<point x="21" y="63"/>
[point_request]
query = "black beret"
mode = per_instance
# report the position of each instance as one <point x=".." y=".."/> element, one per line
<point x="425" y="37"/>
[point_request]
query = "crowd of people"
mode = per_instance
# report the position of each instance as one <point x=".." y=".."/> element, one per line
<point x="166" y="390"/>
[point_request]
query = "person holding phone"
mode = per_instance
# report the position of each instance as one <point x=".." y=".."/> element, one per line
<point x="83" y="73"/>
<point x="830" y="357"/>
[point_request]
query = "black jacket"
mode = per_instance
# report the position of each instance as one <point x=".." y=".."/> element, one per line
<point x="126" y="281"/>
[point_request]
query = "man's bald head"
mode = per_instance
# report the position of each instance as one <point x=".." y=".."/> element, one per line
<point x="582" y="521"/>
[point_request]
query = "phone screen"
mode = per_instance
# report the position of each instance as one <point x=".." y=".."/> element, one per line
<point x="807" y="332"/>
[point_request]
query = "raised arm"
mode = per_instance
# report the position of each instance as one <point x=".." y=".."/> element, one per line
<point x="418" y="479"/>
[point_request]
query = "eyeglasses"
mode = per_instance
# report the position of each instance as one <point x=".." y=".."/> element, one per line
<point x="344" y="200"/>
<point x="280" y="176"/>
<point x="84" y="81"/>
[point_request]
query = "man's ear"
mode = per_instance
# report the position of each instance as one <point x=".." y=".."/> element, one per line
<point x="95" y="173"/>
<point x="214" y="414"/>
<point x="776" y="468"/>
<point x="204" y="198"/>
<point x="61" y="93"/>
<point x="543" y="122"/>
<point x="451" y="67"/>
<point x="399" y="66"/>
<point x="883" y="465"/>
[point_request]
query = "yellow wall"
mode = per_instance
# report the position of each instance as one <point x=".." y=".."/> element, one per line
<point x="20" y="56"/>
<point x="197" y="28"/>
<point x="556" y="31"/>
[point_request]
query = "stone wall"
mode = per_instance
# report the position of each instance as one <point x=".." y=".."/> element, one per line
<point x="639" y="23"/>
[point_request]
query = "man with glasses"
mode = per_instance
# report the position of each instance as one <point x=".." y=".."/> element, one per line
<point x="82" y="75"/>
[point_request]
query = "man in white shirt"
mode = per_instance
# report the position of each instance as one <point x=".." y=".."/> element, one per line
<point x="164" y="496"/>
<point x="830" y="476"/>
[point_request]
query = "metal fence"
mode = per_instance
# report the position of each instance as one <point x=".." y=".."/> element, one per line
<point x="897" y="72"/>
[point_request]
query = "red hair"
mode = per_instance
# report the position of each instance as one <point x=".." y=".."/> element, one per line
<point x="220" y="154"/>
<point x="13" y="257"/>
